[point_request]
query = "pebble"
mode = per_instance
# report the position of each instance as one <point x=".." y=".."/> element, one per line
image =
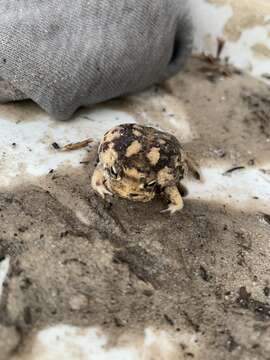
<point x="78" y="302"/>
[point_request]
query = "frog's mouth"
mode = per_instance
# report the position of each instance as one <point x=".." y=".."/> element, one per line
<point x="129" y="189"/>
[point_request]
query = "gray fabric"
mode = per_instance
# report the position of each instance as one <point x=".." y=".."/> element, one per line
<point x="64" y="54"/>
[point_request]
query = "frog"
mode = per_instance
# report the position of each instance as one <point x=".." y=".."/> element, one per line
<point x="138" y="162"/>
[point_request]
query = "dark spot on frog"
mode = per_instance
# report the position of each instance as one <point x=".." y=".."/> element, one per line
<point x="104" y="146"/>
<point x="121" y="144"/>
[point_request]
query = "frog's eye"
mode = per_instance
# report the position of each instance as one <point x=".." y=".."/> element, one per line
<point x="113" y="173"/>
<point x="150" y="184"/>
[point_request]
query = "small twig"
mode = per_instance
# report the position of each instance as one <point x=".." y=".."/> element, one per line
<point x="77" y="145"/>
<point x="236" y="168"/>
<point x="220" y="47"/>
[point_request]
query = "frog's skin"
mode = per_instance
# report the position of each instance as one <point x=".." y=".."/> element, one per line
<point x="136" y="162"/>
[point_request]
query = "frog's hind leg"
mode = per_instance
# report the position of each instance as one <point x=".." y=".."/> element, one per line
<point x="193" y="168"/>
<point x="175" y="198"/>
<point x="182" y="189"/>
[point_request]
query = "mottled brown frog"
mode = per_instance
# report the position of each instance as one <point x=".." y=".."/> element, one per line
<point x="137" y="162"/>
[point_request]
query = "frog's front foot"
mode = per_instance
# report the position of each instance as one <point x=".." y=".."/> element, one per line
<point x="98" y="182"/>
<point x="176" y="201"/>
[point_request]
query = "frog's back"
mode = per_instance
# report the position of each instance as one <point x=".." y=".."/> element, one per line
<point x="145" y="148"/>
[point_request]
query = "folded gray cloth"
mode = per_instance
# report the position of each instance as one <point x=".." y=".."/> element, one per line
<point x="71" y="53"/>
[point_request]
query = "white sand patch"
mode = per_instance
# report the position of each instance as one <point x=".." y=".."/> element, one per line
<point x="209" y="22"/>
<point x="164" y="112"/>
<point x="26" y="150"/>
<point x="73" y="343"/>
<point x="242" y="189"/>
<point x="243" y="56"/>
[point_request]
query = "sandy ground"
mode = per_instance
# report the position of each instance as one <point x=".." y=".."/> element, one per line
<point x="76" y="259"/>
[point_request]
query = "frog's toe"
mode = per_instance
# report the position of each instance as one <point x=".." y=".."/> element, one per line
<point x="97" y="183"/>
<point x="102" y="190"/>
<point x="176" y="201"/>
<point x="172" y="208"/>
